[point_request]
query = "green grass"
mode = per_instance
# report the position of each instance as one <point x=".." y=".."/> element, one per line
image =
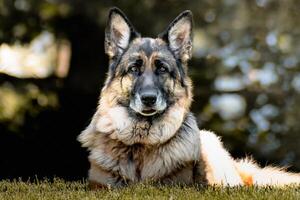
<point x="59" y="189"/>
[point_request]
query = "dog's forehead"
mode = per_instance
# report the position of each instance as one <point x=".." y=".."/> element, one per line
<point x="148" y="46"/>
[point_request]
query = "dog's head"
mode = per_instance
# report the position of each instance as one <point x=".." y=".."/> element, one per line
<point x="147" y="93"/>
<point x="147" y="75"/>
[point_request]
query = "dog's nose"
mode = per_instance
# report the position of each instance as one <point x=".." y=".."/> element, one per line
<point x="149" y="99"/>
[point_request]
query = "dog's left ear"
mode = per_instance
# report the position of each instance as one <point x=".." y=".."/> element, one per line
<point x="178" y="36"/>
<point x="118" y="33"/>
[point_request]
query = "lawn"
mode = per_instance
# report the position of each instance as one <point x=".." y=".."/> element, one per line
<point x="59" y="189"/>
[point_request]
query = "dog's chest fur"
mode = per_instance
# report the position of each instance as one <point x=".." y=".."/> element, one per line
<point x="172" y="160"/>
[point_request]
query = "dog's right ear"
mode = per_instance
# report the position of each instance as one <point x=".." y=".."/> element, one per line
<point x="118" y="33"/>
<point x="178" y="35"/>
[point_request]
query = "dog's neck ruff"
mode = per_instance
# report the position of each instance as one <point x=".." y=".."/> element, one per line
<point x="122" y="127"/>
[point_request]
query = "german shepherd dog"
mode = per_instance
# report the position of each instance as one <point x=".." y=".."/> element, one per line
<point x="143" y="128"/>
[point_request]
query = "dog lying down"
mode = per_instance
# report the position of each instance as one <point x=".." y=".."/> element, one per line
<point x="143" y="129"/>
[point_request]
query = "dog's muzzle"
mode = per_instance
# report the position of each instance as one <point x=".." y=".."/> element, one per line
<point x="148" y="103"/>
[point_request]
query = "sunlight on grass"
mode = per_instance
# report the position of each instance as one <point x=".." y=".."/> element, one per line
<point x="60" y="189"/>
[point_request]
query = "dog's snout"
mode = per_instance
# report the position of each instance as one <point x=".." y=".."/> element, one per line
<point x="149" y="98"/>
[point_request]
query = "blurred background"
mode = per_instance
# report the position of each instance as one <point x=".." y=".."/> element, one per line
<point x="245" y="68"/>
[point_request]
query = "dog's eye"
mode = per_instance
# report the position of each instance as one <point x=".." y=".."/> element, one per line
<point x="161" y="67"/>
<point x="135" y="67"/>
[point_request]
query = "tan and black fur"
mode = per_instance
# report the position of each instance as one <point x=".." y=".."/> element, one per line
<point x="143" y="129"/>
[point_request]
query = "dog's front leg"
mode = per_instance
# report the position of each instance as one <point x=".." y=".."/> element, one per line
<point x="101" y="179"/>
<point x="219" y="165"/>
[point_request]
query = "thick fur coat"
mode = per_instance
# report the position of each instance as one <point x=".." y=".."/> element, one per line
<point x="143" y="129"/>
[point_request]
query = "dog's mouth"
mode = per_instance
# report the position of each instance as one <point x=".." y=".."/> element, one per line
<point x="141" y="110"/>
<point x="148" y="112"/>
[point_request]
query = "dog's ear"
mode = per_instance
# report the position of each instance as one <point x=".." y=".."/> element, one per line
<point x="178" y="36"/>
<point x="118" y="33"/>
